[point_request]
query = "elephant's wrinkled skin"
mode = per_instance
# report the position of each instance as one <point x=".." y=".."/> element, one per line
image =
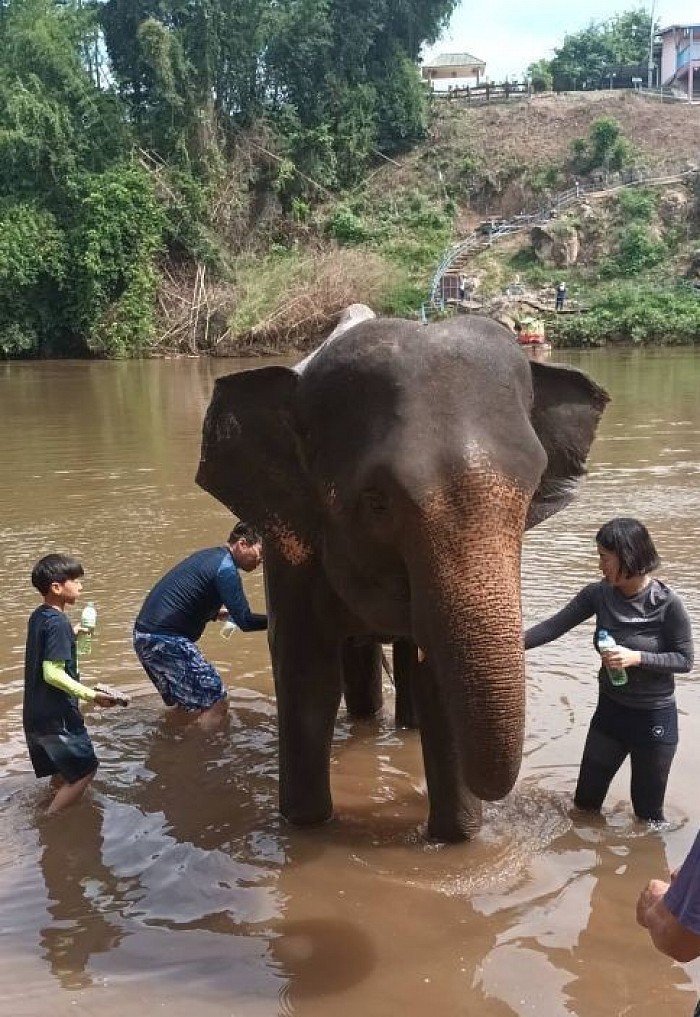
<point x="393" y="479"/>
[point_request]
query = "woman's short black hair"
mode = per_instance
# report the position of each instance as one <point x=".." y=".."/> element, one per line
<point x="630" y="541"/>
<point x="55" y="568"/>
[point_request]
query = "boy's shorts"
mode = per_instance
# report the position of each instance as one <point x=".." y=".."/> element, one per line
<point x="69" y="753"/>
<point x="179" y="671"/>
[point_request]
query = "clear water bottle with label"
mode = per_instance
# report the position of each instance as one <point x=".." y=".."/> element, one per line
<point x="88" y="624"/>
<point x="617" y="675"/>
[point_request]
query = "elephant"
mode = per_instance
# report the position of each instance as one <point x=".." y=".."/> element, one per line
<point x="393" y="479"/>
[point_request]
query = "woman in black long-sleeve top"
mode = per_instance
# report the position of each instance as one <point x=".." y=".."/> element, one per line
<point x="652" y="630"/>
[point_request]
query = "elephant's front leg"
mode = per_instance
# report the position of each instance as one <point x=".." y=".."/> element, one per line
<point x="306" y="662"/>
<point x="455" y="813"/>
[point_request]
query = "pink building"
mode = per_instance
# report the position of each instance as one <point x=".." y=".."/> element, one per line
<point x="680" y="58"/>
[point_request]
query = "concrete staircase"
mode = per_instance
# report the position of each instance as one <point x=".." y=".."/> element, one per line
<point x="456" y="259"/>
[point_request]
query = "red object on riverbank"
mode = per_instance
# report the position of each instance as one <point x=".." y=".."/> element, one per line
<point x="531" y="333"/>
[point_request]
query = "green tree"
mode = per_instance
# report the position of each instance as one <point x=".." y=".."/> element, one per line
<point x="403" y="105"/>
<point x="584" y="57"/>
<point x="344" y="68"/>
<point x="81" y="229"/>
<point x="605" y="148"/>
<point x="540" y="75"/>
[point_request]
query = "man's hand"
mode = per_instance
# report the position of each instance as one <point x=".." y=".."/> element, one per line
<point x="621" y="657"/>
<point x="652" y="893"/>
<point x="667" y="934"/>
<point x="222" y="614"/>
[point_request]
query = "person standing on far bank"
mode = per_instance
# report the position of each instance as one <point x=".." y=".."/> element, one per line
<point x="204" y="587"/>
<point x="652" y="631"/>
<point x="560" y="296"/>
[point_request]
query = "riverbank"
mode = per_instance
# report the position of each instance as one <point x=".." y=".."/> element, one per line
<point x="626" y="250"/>
<point x="248" y="273"/>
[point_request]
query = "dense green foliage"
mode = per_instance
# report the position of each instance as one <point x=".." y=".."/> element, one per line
<point x="119" y="121"/>
<point x="336" y="79"/>
<point x="540" y="75"/>
<point x="79" y="222"/>
<point x="632" y="313"/>
<point x="586" y="59"/>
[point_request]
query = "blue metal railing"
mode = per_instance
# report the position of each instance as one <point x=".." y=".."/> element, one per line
<point x="484" y="237"/>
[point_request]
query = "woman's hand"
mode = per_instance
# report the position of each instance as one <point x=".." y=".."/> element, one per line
<point x="621" y="657"/>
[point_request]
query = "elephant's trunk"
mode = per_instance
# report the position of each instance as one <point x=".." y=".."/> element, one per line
<point x="465" y="594"/>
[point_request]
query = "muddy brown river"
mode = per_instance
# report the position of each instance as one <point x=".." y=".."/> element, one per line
<point x="176" y="889"/>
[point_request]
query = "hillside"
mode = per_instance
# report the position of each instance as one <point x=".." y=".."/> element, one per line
<point x="381" y="242"/>
<point x="510" y="147"/>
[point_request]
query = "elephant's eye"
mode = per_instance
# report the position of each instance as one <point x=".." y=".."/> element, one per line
<point x="375" y="501"/>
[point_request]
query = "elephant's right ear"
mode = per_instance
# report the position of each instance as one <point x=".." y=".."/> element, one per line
<point x="251" y="456"/>
<point x="566" y="409"/>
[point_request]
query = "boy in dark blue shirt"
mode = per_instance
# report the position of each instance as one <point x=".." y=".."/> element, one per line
<point x="202" y="588"/>
<point x="59" y="746"/>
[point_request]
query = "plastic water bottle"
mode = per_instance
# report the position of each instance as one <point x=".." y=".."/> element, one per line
<point x="88" y="623"/>
<point x="617" y="675"/>
<point x="228" y="628"/>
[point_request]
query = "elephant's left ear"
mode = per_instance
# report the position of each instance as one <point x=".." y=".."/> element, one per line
<point x="566" y="409"/>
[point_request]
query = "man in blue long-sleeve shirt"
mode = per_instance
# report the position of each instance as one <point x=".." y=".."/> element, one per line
<point x="202" y="588"/>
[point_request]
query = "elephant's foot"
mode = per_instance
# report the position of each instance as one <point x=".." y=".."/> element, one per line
<point x="454" y="827"/>
<point x="305" y="816"/>
<point x="306" y="801"/>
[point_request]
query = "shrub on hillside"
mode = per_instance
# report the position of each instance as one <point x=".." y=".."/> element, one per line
<point x="636" y="203"/>
<point x="346" y="226"/>
<point x="605" y="148"/>
<point x="630" y="314"/>
<point x="637" y="249"/>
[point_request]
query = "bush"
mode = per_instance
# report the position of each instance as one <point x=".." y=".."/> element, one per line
<point x="32" y="268"/>
<point x="636" y="203"/>
<point x="117" y="237"/>
<point x="629" y="314"/>
<point x="544" y="178"/>
<point x="605" y="147"/>
<point x="637" y="250"/>
<point x="18" y="340"/>
<point x="541" y="77"/>
<point x="345" y="226"/>
<point x="471" y="165"/>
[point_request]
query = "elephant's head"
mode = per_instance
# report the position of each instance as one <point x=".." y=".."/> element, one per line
<point x="406" y="462"/>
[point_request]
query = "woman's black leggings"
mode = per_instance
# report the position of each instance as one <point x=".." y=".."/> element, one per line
<point x="649" y="737"/>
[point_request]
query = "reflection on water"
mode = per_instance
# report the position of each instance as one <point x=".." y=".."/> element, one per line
<point x="176" y="885"/>
<point x="80" y="892"/>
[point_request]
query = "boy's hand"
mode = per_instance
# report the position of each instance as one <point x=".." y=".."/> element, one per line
<point x="111" y="696"/>
<point x="102" y="700"/>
